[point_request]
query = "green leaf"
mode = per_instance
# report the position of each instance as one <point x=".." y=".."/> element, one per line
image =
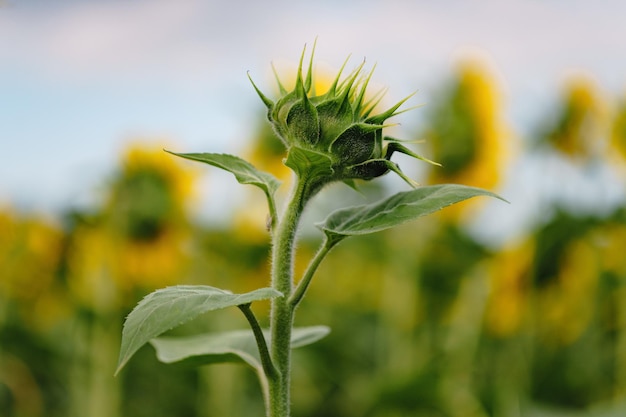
<point x="170" y="307"/>
<point x="237" y="346"/>
<point x="244" y="172"/>
<point x="308" y="163"/>
<point x="396" y="210"/>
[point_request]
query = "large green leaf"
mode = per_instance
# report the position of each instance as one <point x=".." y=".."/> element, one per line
<point x="232" y="346"/>
<point x="244" y="172"/>
<point x="397" y="209"/>
<point x="170" y="307"/>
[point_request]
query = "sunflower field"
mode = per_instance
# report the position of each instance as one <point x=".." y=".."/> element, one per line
<point x="437" y="318"/>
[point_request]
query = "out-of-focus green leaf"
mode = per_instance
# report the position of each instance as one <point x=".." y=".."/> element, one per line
<point x="396" y="210"/>
<point x="170" y="307"/>
<point x="232" y="346"/>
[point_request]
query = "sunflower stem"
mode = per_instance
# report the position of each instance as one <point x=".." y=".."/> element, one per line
<point x="282" y="316"/>
<point x="304" y="283"/>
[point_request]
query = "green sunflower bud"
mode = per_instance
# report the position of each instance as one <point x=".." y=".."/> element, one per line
<point x="334" y="136"/>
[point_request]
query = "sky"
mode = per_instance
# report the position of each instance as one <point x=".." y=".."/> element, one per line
<point x="79" y="79"/>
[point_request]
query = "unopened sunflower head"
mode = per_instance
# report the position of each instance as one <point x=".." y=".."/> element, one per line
<point x="336" y="130"/>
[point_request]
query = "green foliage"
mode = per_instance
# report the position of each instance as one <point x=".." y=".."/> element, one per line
<point x="237" y="346"/>
<point x="244" y="172"/>
<point x="552" y="240"/>
<point x="170" y="307"/>
<point x="451" y="254"/>
<point x="396" y="210"/>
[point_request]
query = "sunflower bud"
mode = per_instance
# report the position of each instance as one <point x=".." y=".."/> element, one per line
<point x="334" y="136"/>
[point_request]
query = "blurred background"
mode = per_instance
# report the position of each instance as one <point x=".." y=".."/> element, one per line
<point x="485" y="309"/>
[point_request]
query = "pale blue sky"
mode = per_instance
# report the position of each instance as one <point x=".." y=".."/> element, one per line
<point x="80" y="78"/>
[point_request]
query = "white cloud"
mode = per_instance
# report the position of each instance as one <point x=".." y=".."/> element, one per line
<point x="180" y="40"/>
<point x="104" y="39"/>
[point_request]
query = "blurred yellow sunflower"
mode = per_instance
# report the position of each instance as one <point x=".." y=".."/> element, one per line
<point x="31" y="249"/>
<point x="468" y="133"/>
<point x="617" y="148"/>
<point x="581" y="124"/>
<point x="567" y="305"/>
<point x="612" y="244"/>
<point x="509" y="277"/>
<point x="137" y="241"/>
<point x="147" y="217"/>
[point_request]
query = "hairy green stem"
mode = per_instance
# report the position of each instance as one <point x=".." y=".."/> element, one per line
<point x="282" y="315"/>
<point x="303" y="285"/>
<point x="266" y="360"/>
<point x="269" y="370"/>
<point x="271" y="223"/>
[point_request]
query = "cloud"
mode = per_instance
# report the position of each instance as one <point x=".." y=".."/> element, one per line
<point x="193" y="40"/>
<point x="103" y="39"/>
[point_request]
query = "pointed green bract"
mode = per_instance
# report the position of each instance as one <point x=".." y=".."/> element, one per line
<point x="268" y="103"/>
<point x="396" y="210"/>
<point x="380" y="118"/>
<point x="303" y="122"/>
<point x="171" y="307"/>
<point x="308" y="163"/>
<point x="396" y="146"/>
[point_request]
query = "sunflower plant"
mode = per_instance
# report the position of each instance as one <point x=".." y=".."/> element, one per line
<point x="331" y="137"/>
